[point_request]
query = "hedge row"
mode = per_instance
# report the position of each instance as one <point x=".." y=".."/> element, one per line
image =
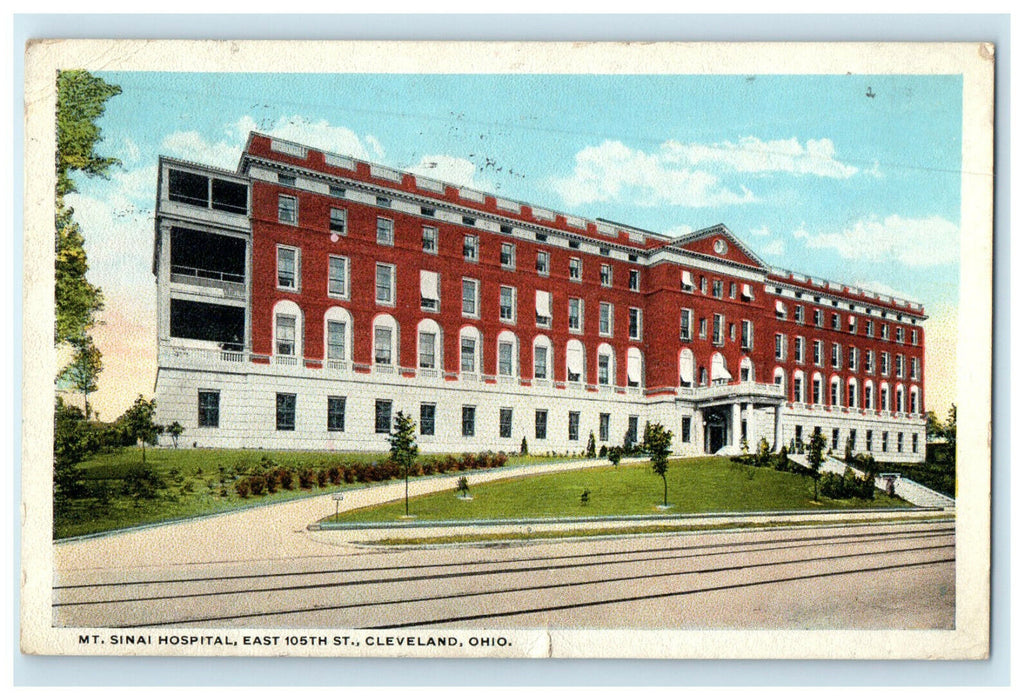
<point x="269" y="477"/>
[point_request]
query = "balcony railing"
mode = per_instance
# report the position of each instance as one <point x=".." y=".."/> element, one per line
<point x="231" y="284"/>
<point x="720" y="391"/>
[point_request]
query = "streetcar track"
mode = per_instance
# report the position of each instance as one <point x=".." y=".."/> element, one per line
<point x="548" y="586"/>
<point x="657" y="596"/>
<point x="479" y="572"/>
<point x="853" y="538"/>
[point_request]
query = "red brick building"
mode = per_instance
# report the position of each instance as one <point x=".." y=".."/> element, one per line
<point x="307" y="296"/>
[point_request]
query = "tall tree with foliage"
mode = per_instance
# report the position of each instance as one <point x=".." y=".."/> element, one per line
<point x="81" y="100"/>
<point x="814" y="456"/>
<point x="656" y="443"/>
<point x="139" y="424"/>
<point x="84" y="371"/>
<point x="403" y="449"/>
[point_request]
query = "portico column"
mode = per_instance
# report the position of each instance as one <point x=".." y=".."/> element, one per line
<point x="735" y="424"/>
<point x="750" y="431"/>
<point x="776" y="427"/>
<point x="698" y="432"/>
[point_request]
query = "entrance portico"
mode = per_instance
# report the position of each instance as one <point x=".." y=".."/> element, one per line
<point x="730" y="416"/>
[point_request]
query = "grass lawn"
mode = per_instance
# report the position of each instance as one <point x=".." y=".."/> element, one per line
<point x="709" y="484"/>
<point x="197" y="482"/>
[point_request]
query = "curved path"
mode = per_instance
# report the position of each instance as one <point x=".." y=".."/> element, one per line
<point x="275" y="531"/>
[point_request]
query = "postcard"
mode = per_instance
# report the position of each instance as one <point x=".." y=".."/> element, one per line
<point x="458" y="349"/>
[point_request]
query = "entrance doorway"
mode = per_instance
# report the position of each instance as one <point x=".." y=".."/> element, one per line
<point x="715" y="432"/>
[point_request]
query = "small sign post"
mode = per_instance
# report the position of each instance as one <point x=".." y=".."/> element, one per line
<point x="337" y="497"/>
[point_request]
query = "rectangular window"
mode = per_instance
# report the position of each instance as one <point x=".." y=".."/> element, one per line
<point x="336" y="414"/>
<point x="884" y="363"/>
<point x="884" y="441"/>
<point x="818" y="352"/>
<point x="543" y="263"/>
<point x="884" y="331"/>
<point x="900" y="363"/>
<point x="384" y="231"/>
<point x="287" y="209"/>
<point x="603" y="427"/>
<point x="869" y="441"/>
<point x="836" y="322"/>
<point x="834" y="438"/>
<point x="507" y="311"/>
<point x="900" y="442"/>
<point x="914" y="337"/>
<point x="746" y="335"/>
<point x="543" y="308"/>
<point x="635" y="324"/>
<point x="574" y="425"/>
<point x="339" y="284"/>
<point x="384" y="346"/>
<point x="429" y="240"/>
<point x="338" y="192"/>
<point x="853" y="359"/>
<point x="605" y="275"/>
<point x="869" y="329"/>
<point x="717" y="289"/>
<point x="286" y="404"/>
<point x="868" y="362"/>
<point x="685" y="428"/>
<point x="779" y="349"/>
<point x="798" y="389"/>
<point x="686" y="324"/>
<point x="818" y="318"/>
<point x="471" y="298"/>
<point x="603" y="370"/>
<point x="429" y="290"/>
<point x="384" y="284"/>
<point x="286" y="334"/>
<point x="427" y="350"/>
<point x="382" y="201"/>
<point x="733" y="290"/>
<point x="717" y="329"/>
<point x="916" y="442"/>
<point x="914" y="368"/>
<point x="703" y="328"/>
<point x="336" y="334"/>
<point x="576" y="315"/>
<point x="540" y="362"/>
<point x="605" y="319"/>
<point x="575" y="269"/>
<point x="338" y="220"/>
<point x="899" y="338"/>
<point x="384" y="408"/>
<point x="631" y="430"/>
<point x="428" y="419"/>
<point x="506" y="354"/>
<point x="508" y="256"/>
<point x="505" y="423"/>
<point x="635" y="281"/>
<point x="467" y="347"/>
<point x="207" y="409"/>
<point x="541" y="424"/>
<point x="286" y="263"/>
<point x="836" y="356"/>
<point x="799" y="350"/>
<point x="799" y="314"/>
<point x="471" y="247"/>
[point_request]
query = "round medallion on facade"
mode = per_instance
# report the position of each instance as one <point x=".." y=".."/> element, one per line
<point x="720" y="246"/>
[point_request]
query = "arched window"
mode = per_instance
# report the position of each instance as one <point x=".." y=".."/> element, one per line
<point x="798" y="393"/>
<point x="853" y="393"/>
<point x="885" y="397"/>
<point x="386" y="341"/>
<point x="508" y="354"/>
<point x="747" y="373"/>
<point x="914" y="400"/>
<point x="868" y="395"/>
<point x="900" y="398"/>
<point x="686" y="367"/>
<point x="542" y="357"/>
<point x="287" y="331"/>
<point x="470" y="350"/>
<point x="606" y="365"/>
<point x="634" y="367"/>
<point x="835" y="391"/>
<point x="431" y="345"/>
<point x="338" y="337"/>
<point x="778" y="376"/>
<point x="817" y="388"/>
<point x="575" y="361"/>
<point x="720" y="375"/>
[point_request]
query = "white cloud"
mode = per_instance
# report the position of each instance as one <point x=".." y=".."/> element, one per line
<point x="456" y="171"/>
<point x="912" y="242"/>
<point x="774" y="248"/>
<point x="753" y="155"/>
<point x="318" y="134"/>
<point x="612" y="171"/>
<point x="190" y="145"/>
<point x="762" y="232"/>
<point x="678" y="231"/>
<point x="882" y="288"/>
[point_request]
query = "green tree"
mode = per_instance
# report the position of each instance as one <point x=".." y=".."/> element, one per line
<point x="403" y="449"/>
<point x="71" y="446"/>
<point x="656" y="443"/>
<point x="950" y="429"/>
<point x="592" y="446"/>
<point x="934" y="425"/>
<point x="615" y="455"/>
<point x="175" y="430"/>
<point x="814" y="456"/>
<point x="84" y="371"/>
<point x="139" y="424"/>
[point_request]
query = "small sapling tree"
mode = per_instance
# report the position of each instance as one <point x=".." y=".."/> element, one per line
<point x="656" y="443"/>
<point x="592" y="446"/>
<point x="463" y="486"/>
<point x="615" y="455"/>
<point x="175" y="430"/>
<point x="139" y="423"/>
<point x="524" y="448"/>
<point x="815" y="458"/>
<point x="403" y="449"/>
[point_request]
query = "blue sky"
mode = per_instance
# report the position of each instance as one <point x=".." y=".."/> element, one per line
<point x="850" y="178"/>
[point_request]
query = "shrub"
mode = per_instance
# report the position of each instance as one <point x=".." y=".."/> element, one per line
<point x="585" y="497"/>
<point x="322" y="477"/>
<point x="782" y="463"/>
<point x="615" y="455"/>
<point x="257" y="485"/>
<point x="141" y="481"/>
<point x="463" y="485"/>
<point x="604" y="451"/>
<point x="349" y="474"/>
<point x="592" y="446"/>
<point x="334" y="475"/>
<point x="243" y="488"/>
<point x="271" y="479"/>
<point x="306" y="478"/>
<point x="523" y="448"/>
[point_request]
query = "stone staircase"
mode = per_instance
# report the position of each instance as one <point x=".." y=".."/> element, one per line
<point x="907" y="489"/>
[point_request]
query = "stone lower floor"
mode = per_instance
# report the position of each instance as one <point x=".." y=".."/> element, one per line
<point x="262" y="408"/>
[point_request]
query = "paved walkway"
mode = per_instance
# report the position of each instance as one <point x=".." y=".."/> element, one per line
<point x="277" y="531"/>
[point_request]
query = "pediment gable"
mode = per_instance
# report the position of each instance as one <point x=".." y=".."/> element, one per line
<point x="719" y="243"/>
